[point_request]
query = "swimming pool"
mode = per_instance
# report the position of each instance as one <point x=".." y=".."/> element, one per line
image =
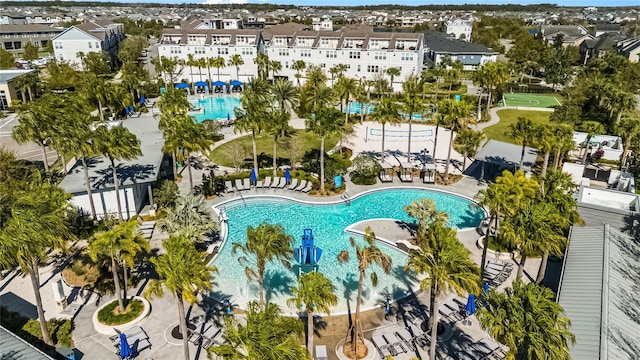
<point x="328" y="222"/>
<point x="216" y="107"/>
<point x="356" y="108"/>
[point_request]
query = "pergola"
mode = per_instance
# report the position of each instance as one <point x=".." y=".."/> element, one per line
<point x="386" y="174"/>
<point x="429" y="173"/>
<point x="406" y="169"/>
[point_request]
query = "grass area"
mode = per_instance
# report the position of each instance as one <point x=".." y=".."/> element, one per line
<point x="500" y="131"/>
<point x="531" y="100"/>
<point x="307" y="140"/>
<point x="109" y="315"/>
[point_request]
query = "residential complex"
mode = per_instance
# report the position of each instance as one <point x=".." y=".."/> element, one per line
<point x="16" y="36"/>
<point x="92" y="36"/>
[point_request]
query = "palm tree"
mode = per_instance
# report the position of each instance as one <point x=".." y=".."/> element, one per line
<point x="562" y="142"/>
<point x="190" y="218"/>
<point x="490" y="199"/>
<point x="193" y="138"/>
<point x="218" y="63"/>
<point x="525" y="131"/>
<point x="237" y="61"/>
<point x="412" y="103"/>
<point x="337" y="71"/>
<point x="467" y="142"/>
<point x="83" y="148"/>
<point x="120" y="244"/>
<point x="298" y="66"/>
<point x="456" y="114"/>
<point x="265" y="334"/>
<point x="528" y="320"/>
<point x="345" y="88"/>
<point x="497" y="74"/>
<point x="191" y="62"/>
<point x="34" y="125"/>
<point x="386" y="111"/>
<point x="544" y="142"/>
<point x="183" y="271"/>
<point x="266" y="243"/>
<point x="251" y="118"/>
<point x="325" y="121"/>
<point x="426" y="212"/>
<point x="367" y="254"/>
<point x="448" y="267"/>
<point x="393" y="72"/>
<point x="262" y="61"/>
<point x="629" y="130"/>
<point x="117" y="143"/>
<point x="276" y="67"/>
<point x="315" y="293"/>
<point x="592" y="128"/>
<point x="285" y="94"/>
<point x="35" y="224"/>
<point x="280" y="130"/>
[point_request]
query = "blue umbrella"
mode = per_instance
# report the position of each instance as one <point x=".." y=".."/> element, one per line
<point x="228" y="117"/>
<point x="471" y="305"/>
<point x="287" y="175"/>
<point x="125" y="349"/>
<point x="254" y="178"/>
<point x="485" y="287"/>
<point x="142" y="100"/>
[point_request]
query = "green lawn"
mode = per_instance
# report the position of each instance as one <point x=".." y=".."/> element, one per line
<point x="531" y="100"/>
<point x="220" y="155"/>
<point x="500" y="131"/>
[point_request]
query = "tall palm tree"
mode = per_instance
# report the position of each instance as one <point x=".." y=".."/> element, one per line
<point x="218" y="63"/>
<point x="119" y="244"/>
<point x="34" y="125"/>
<point x="193" y="138"/>
<point x="190" y="218"/>
<point x="35" y="224"/>
<point x="345" y="88"/>
<point x="265" y="334"/>
<point x="467" y="142"/>
<point x="252" y="118"/>
<point x="285" y="95"/>
<point x="182" y="271"/>
<point x="367" y="254"/>
<point x="528" y="320"/>
<point x="562" y="142"/>
<point x="592" y="128"/>
<point x="525" y="131"/>
<point x="237" y="61"/>
<point x="191" y="62"/>
<point x="280" y="130"/>
<point x="276" y="67"/>
<point x="497" y="75"/>
<point x="337" y="71"/>
<point x="262" y="61"/>
<point x="386" y="111"/>
<point x="544" y="142"/>
<point x="456" y="114"/>
<point x="313" y="293"/>
<point x="629" y="130"/>
<point x="426" y="212"/>
<point x="117" y="143"/>
<point x="448" y="267"/>
<point x="298" y="66"/>
<point x="325" y="121"/>
<point x="412" y="103"/>
<point x="392" y="72"/>
<point x="266" y="243"/>
<point x="490" y="199"/>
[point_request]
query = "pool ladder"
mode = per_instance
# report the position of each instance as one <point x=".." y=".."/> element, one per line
<point x="347" y="199"/>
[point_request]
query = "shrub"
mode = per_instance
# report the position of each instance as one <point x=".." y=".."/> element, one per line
<point x="108" y="316"/>
<point x="366" y="170"/>
<point x="60" y="330"/>
<point x="165" y="195"/>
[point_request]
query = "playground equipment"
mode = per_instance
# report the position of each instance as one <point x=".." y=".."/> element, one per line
<point x="307" y="255"/>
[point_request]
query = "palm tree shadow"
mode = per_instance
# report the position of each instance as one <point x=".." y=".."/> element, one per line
<point x="277" y="283"/>
<point x="349" y="283"/>
<point x="133" y="173"/>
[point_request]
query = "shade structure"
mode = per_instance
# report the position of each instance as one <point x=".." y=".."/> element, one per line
<point x="182" y="86"/>
<point x="235" y="83"/>
<point x="125" y="349"/>
<point x="287" y="175"/>
<point x="219" y="83"/>
<point x="254" y="178"/>
<point x="471" y="305"/>
<point x="201" y="83"/>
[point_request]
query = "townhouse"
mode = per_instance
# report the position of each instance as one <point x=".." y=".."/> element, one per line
<point x="91" y="36"/>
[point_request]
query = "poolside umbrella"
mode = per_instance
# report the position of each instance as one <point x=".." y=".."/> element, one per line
<point x="125" y="349"/>
<point x="142" y="100"/>
<point x="228" y="117"/>
<point x="471" y="305"/>
<point x="287" y="175"/>
<point x="254" y="178"/>
<point x="485" y="287"/>
<point x="218" y="83"/>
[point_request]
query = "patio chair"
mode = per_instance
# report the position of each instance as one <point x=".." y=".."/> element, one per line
<point x="276" y="181"/>
<point x="208" y="335"/>
<point x="404" y="335"/>
<point x="308" y="187"/>
<point x="219" y="338"/>
<point x="239" y="185"/>
<point x="293" y="185"/>
<point x="247" y="184"/>
<point x="382" y="346"/>
<point x="228" y="187"/>
<point x="321" y="352"/>
<point x="283" y="183"/>
<point x="396" y="344"/>
<point x="421" y="338"/>
<point x="258" y="184"/>
<point x="267" y="182"/>
<point x="303" y="184"/>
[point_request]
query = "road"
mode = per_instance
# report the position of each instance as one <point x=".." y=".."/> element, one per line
<point x="29" y="151"/>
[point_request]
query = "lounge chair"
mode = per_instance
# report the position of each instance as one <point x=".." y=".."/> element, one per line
<point x="396" y="344"/>
<point x="267" y="182"/>
<point x="303" y="184"/>
<point x="421" y="337"/>
<point x="208" y="335"/>
<point x="228" y="187"/>
<point x="405" y="335"/>
<point x="321" y="352"/>
<point x="382" y="346"/>
<point x="259" y="184"/>
<point x="219" y="338"/>
<point x="293" y="185"/>
<point x="283" y="183"/>
<point x="276" y="181"/>
<point x="239" y="185"/>
<point x="247" y="184"/>
<point x="308" y="187"/>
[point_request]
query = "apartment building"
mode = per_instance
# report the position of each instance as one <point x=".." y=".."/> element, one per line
<point x="16" y="36"/>
<point x="460" y="29"/>
<point x="92" y="36"/>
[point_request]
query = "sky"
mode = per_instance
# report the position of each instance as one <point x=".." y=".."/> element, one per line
<point x="579" y="3"/>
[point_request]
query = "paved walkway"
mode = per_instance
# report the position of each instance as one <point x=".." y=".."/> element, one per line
<point x="494" y="118"/>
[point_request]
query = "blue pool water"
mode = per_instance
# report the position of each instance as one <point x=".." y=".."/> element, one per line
<point x="216" y="107"/>
<point x="328" y="223"/>
<point x="356" y="108"/>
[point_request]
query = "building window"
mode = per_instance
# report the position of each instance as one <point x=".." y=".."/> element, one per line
<point x="223" y="51"/>
<point x="200" y="50"/>
<point x="4" y="105"/>
<point x="331" y="54"/>
<point x="323" y="65"/>
<point x="381" y="55"/>
<point x="247" y="51"/>
<point x="407" y="57"/>
<point x="354" y="55"/>
<point x="283" y="52"/>
<point x="359" y="68"/>
<point x="90" y="43"/>
<point x="373" y="68"/>
<point x="57" y="45"/>
<point x="305" y="53"/>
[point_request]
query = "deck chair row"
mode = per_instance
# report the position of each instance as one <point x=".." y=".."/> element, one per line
<point x="277" y="183"/>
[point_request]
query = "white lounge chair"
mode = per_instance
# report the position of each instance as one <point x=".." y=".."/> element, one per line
<point x="308" y="187"/>
<point x="321" y="352"/>
<point x="382" y="346"/>
<point x="405" y="335"/>
<point x="239" y="185"/>
<point x="293" y="185"/>
<point x="267" y="182"/>
<point x="303" y="184"/>
<point x="247" y="184"/>
<point x="276" y="181"/>
<point x="395" y="343"/>
<point x="283" y="183"/>
<point x="228" y="187"/>
<point x="258" y="184"/>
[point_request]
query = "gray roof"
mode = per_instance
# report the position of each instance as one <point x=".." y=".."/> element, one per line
<point x="507" y="155"/>
<point x="441" y="43"/>
<point x="8" y="75"/>
<point x="144" y="169"/>
<point x="598" y="292"/>
<point x="14" y="348"/>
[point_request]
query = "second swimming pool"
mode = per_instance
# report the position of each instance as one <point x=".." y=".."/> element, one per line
<point x="216" y="107"/>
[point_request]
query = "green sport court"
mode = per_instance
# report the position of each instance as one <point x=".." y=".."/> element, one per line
<point x="530" y="100"/>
